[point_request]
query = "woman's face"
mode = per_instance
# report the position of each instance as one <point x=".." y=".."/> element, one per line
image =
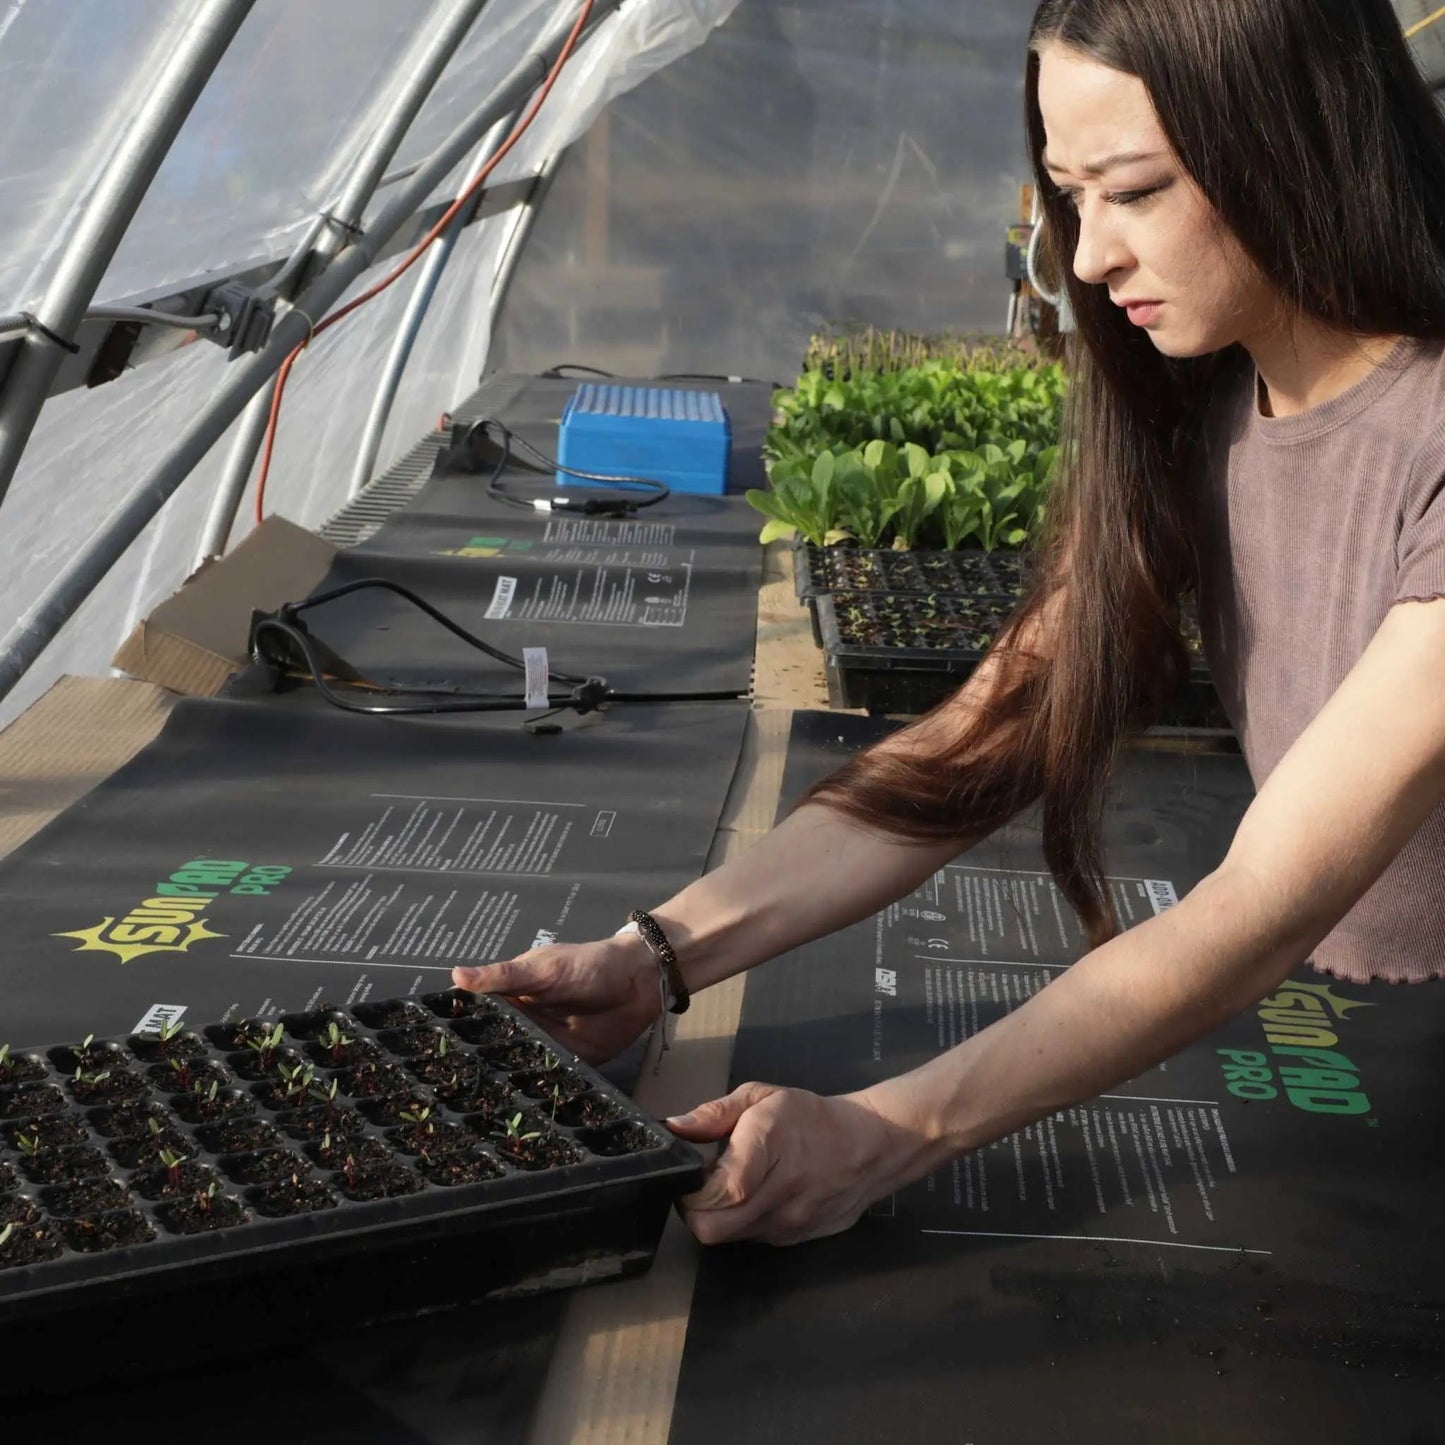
<point x="1146" y="231"/>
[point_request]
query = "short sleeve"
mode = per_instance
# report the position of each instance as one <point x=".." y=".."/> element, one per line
<point x="1420" y="552"/>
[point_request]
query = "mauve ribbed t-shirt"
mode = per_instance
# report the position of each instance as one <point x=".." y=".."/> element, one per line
<point x="1313" y="527"/>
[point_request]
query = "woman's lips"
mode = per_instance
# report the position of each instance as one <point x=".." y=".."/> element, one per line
<point x="1141" y="313"/>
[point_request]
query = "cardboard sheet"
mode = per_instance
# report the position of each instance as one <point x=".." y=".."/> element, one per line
<point x="1238" y="1245"/>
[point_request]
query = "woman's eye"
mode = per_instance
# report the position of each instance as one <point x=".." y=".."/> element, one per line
<point x="1132" y="198"/>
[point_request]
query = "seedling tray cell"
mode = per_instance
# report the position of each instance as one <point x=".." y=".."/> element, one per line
<point x="323" y="1169"/>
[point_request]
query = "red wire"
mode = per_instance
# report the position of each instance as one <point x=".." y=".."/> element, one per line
<point x="443" y="222"/>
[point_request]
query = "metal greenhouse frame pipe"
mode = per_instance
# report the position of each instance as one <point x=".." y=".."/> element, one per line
<point x="30" y="637"/>
<point x="105" y="217"/>
<point x="235" y="476"/>
<point x="443" y="30"/>
<point x="423" y="63"/>
<point x="521" y="226"/>
<point x="410" y="326"/>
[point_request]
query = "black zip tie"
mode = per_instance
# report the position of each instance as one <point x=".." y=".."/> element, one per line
<point x="336" y="221"/>
<point x="36" y="324"/>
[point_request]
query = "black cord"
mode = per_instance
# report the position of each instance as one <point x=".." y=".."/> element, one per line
<point x="291" y="609"/>
<point x="717" y="376"/>
<point x="587" y="506"/>
<point x="587" y="694"/>
<point x="559" y="372"/>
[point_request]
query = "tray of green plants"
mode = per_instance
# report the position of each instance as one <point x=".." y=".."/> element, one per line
<point x="345" y="1164"/>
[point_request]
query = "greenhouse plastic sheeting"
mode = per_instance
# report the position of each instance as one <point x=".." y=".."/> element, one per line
<point x="90" y="448"/>
<point x="272" y="138"/>
<point x="1201" y="1253"/>
<point x="818" y="161"/>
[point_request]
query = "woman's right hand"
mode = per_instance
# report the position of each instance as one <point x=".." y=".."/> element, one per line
<point x="596" y="998"/>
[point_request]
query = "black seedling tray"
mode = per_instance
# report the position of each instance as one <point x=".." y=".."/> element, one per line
<point x="902" y="653"/>
<point x="967" y="572"/>
<point x="266" y="1227"/>
<point x="914" y="660"/>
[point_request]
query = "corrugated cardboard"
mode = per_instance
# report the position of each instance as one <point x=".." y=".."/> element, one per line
<point x="196" y="639"/>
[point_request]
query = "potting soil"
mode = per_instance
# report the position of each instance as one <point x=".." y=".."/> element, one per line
<point x="1239" y="1245"/>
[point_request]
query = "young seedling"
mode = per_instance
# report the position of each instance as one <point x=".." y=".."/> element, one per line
<point x="173" y="1161"/>
<point x="5" y="1235"/>
<point x="205" y="1198"/>
<point x="28" y="1144"/>
<point x="326" y="1094"/>
<point x="335" y="1040"/>
<point x="512" y="1134"/>
<point x="183" y="1073"/>
<point x="443" y="1044"/>
<point x="267" y="1043"/>
<point x="297" y="1080"/>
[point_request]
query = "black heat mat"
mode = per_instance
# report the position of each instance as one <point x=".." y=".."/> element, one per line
<point x="662" y="602"/>
<point x="255" y="859"/>
<point x="666" y="605"/>
<point x="1241" y="1245"/>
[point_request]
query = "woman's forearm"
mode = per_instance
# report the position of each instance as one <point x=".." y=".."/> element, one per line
<point x="1120" y="1010"/>
<point x="816" y="872"/>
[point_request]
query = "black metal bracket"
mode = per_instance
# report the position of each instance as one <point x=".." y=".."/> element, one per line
<point x="247" y="317"/>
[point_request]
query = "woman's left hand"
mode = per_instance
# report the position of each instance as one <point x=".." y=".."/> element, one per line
<point x="796" y="1166"/>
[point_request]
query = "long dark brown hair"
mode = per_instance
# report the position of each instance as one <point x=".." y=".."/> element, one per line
<point x="1309" y="129"/>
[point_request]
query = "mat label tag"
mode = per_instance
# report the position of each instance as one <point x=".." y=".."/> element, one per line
<point x="158" y="1016"/>
<point x="501" y="602"/>
<point x="535" y="661"/>
<point x="1162" y="896"/>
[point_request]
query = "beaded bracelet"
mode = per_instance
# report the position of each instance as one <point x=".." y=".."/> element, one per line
<point x="652" y="935"/>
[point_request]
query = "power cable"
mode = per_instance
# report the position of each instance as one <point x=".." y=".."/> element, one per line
<point x="305" y="654"/>
<point x="541" y="463"/>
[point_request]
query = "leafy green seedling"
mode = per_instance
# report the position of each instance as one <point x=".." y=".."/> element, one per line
<point x="28" y="1144"/>
<point x="182" y="1069"/>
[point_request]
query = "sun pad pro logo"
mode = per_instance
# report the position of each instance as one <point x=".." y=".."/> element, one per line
<point x="174" y="919"/>
<point x="1301" y="1023"/>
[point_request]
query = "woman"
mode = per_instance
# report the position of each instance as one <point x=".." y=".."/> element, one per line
<point x="1248" y="203"/>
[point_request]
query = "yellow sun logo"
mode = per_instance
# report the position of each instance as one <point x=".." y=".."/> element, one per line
<point x="93" y="940"/>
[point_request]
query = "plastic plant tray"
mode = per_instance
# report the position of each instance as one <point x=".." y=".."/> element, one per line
<point x="902" y="653"/>
<point x="298" y="1203"/>
<point x="963" y="573"/>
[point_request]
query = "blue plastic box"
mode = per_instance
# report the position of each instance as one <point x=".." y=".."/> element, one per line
<point x="678" y="437"/>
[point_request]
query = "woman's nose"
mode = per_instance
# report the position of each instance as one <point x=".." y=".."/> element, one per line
<point x="1100" y="251"/>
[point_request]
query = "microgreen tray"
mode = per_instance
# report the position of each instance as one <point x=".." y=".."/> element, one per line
<point x="963" y="573"/>
<point x="902" y="653"/>
<point x="338" y="1165"/>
